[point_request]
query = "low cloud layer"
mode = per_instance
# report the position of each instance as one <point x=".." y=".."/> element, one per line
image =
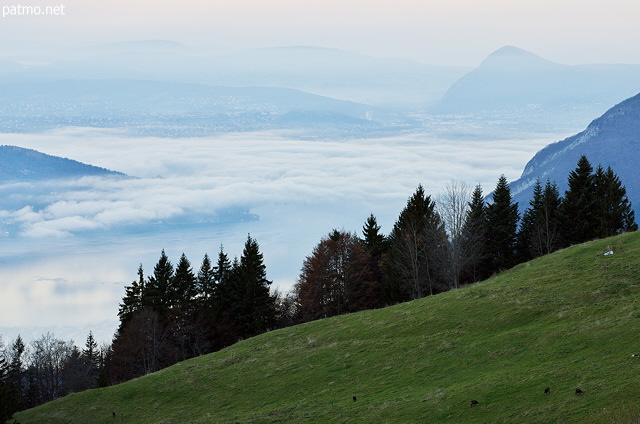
<point x="297" y="189"/>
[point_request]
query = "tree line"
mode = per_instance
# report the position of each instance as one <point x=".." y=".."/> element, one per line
<point x="435" y="245"/>
<point x="458" y="239"/>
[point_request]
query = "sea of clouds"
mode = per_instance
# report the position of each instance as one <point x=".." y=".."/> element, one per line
<point x="69" y="248"/>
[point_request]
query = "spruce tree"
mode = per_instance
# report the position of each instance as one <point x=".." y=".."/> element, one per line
<point x="579" y="205"/>
<point x="374" y="240"/>
<point x="546" y="236"/>
<point x="502" y="225"/>
<point x="252" y="304"/>
<point x="133" y="300"/>
<point x="376" y="245"/>
<point x="182" y="287"/>
<point x="474" y="239"/>
<point x="206" y="280"/>
<point x="417" y="254"/>
<point x="613" y="209"/>
<point x="223" y="268"/>
<point x="90" y="351"/>
<point x="156" y="291"/>
<point x="528" y="223"/>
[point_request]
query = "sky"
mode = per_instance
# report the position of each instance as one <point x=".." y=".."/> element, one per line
<point x="457" y="32"/>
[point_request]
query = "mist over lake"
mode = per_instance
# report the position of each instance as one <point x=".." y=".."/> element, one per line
<point x="76" y="244"/>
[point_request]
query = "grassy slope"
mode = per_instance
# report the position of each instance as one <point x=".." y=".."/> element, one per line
<point x="571" y="319"/>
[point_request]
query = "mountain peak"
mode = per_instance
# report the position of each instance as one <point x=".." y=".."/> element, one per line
<point x="509" y="58"/>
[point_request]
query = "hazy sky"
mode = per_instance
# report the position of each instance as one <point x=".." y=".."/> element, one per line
<point x="454" y="31"/>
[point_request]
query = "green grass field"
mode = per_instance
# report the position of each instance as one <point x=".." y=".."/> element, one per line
<point x="567" y="320"/>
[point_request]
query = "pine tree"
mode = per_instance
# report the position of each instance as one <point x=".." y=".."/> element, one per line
<point x="156" y="290"/>
<point x="133" y="300"/>
<point x="541" y="223"/>
<point x="613" y="209"/>
<point x="223" y="268"/>
<point x="16" y="375"/>
<point x="579" y="205"/>
<point x="374" y="240"/>
<point x="546" y="235"/>
<point x="182" y="286"/>
<point x="474" y="239"/>
<point x="206" y="280"/>
<point x="417" y="254"/>
<point x="90" y="351"/>
<point x="502" y="224"/>
<point x="253" y="305"/>
<point x="376" y="245"/>
<point x="528" y="223"/>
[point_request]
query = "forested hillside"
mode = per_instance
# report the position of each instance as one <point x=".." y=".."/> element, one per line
<point x="565" y="321"/>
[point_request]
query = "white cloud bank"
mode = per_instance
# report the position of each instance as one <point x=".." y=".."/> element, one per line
<point x="84" y="233"/>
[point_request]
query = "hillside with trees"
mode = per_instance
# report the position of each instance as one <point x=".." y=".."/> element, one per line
<point x="565" y="321"/>
<point x="175" y="313"/>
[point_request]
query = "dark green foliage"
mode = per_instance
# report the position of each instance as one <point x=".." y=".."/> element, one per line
<point x="377" y="246"/>
<point x="579" y="205"/>
<point x="253" y="307"/>
<point x="474" y="239"/>
<point x="540" y="228"/>
<point x="182" y="286"/>
<point x="613" y="210"/>
<point x="156" y="291"/>
<point x="529" y="218"/>
<point x="133" y="300"/>
<point x="206" y="281"/>
<point x="502" y="225"/>
<point x="596" y="205"/>
<point x="417" y="253"/>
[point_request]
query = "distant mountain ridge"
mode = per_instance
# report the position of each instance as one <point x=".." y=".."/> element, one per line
<point x="512" y="79"/>
<point x="174" y="109"/>
<point x="19" y="164"/>
<point x="613" y="140"/>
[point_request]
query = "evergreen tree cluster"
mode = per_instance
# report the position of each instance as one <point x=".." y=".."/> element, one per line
<point x="176" y="313"/>
<point x="433" y="248"/>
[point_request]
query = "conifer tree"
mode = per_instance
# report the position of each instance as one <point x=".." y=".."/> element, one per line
<point x="546" y="236"/>
<point x="90" y="351"/>
<point x="374" y="241"/>
<point x="474" y="239"/>
<point x="579" y="205"/>
<point x="253" y="307"/>
<point x="16" y="374"/>
<point x="613" y="209"/>
<point x="376" y="245"/>
<point x="502" y="224"/>
<point x="206" y="280"/>
<point x="528" y="223"/>
<point x="133" y="300"/>
<point x="156" y="291"/>
<point x="182" y="286"/>
<point x="223" y="269"/>
<point x="417" y="253"/>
